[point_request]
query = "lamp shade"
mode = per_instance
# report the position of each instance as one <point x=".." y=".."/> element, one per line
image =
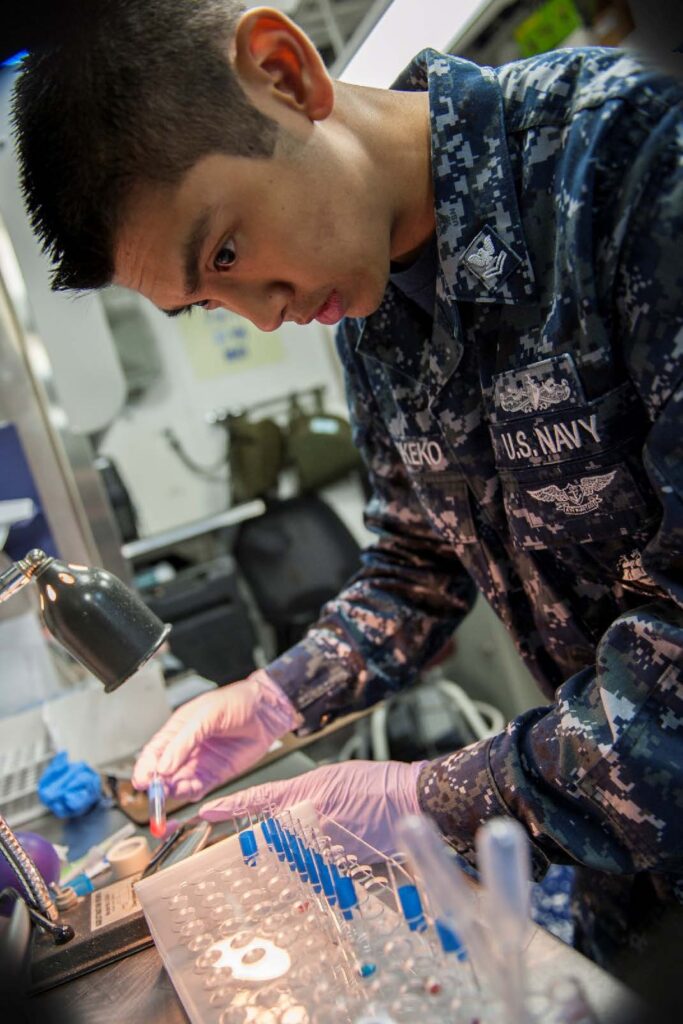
<point x="98" y="619"/>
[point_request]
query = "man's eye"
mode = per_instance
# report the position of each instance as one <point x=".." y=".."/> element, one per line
<point x="226" y="256"/>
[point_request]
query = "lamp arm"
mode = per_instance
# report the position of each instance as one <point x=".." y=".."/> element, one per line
<point x="17" y="575"/>
<point x="24" y="868"/>
<point x="12" y="580"/>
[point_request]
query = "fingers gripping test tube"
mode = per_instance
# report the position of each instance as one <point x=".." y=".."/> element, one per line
<point x="157" y="807"/>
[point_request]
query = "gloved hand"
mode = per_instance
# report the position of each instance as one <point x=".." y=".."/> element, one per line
<point x="366" y="797"/>
<point x="216" y="736"/>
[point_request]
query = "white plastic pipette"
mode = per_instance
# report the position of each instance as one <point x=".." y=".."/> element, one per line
<point x="451" y="896"/>
<point x="503" y="859"/>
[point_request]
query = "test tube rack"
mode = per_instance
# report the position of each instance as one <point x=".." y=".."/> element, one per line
<point x="286" y="923"/>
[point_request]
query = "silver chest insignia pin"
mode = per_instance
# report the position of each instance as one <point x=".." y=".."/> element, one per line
<point x="631" y="568"/>
<point x="576" y="499"/>
<point x="534" y="397"/>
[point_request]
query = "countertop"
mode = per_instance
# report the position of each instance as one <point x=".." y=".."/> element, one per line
<point x="137" y="989"/>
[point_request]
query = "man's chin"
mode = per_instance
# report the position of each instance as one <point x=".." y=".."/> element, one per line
<point x="369" y="304"/>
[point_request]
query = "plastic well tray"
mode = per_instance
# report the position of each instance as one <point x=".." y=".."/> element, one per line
<point x="274" y="976"/>
<point x="239" y="950"/>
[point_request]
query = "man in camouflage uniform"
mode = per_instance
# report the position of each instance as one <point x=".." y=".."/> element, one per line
<point x="517" y="399"/>
<point x="529" y="436"/>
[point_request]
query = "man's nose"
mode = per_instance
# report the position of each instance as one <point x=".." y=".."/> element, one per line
<point x="265" y="307"/>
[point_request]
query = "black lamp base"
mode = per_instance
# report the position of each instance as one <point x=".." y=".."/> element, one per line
<point x="109" y="925"/>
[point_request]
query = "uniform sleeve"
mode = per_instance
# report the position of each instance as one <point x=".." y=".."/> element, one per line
<point x="597" y="777"/>
<point x="398" y="611"/>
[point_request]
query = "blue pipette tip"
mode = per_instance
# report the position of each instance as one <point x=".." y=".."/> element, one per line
<point x="411" y="905"/>
<point x="449" y="939"/>
<point x="248" y="846"/>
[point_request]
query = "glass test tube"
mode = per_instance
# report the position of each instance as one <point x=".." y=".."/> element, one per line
<point x="157" y="807"/>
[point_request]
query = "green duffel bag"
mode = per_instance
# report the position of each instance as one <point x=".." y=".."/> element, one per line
<point x="256" y="454"/>
<point x="320" y="447"/>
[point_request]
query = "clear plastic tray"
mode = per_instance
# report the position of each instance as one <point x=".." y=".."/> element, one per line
<point x="275" y="973"/>
<point x="256" y="944"/>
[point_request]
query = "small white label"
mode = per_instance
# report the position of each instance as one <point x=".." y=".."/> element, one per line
<point x="113" y="903"/>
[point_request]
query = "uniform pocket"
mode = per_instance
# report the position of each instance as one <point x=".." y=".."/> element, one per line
<point x="575" y="503"/>
<point x="439" y="484"/>
<point x="445" y="498"/>
<point x="574" y="475"/>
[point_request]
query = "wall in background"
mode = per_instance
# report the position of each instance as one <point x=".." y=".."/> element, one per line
<point x="205" y="362"/>
<point x="74" y="329"/>
<point x="190" y="382"/>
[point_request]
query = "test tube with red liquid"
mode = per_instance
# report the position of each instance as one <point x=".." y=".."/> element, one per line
<point x="157" y="807"/>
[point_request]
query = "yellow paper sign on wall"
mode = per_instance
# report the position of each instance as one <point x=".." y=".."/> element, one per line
<point x="547" y="27"/>
<point x="220" y="343"/>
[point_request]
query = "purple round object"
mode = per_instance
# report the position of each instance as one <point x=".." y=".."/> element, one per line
<point x="44" y="856"/>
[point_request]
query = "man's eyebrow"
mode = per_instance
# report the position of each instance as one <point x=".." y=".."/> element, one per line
<point x="192" y="249"/>
<point x="179" y="310"/>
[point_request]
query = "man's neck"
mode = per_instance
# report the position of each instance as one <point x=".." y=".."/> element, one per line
<point x="395" y="129"/>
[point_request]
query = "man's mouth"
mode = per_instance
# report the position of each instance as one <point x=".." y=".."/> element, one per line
<point x="331" y="311"/>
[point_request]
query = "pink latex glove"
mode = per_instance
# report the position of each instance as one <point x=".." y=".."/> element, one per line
<point x="366" y="797"/>
<point x="216" y="736"/>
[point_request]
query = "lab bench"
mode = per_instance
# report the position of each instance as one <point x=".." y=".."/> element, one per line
<point x="137" y="989"/>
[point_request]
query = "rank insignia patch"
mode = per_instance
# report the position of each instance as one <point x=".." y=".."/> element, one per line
<point x="489" y="258"/>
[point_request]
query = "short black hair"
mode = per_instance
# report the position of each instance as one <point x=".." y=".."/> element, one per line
<point x="127" y="93"/>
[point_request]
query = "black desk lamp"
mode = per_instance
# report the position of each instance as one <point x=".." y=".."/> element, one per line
<point x="91" y="613"/>
<point x="107" y="628"/>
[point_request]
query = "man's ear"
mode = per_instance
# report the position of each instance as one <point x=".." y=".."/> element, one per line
<point x="277" y="64"/>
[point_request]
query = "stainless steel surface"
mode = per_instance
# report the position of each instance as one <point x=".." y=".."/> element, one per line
<point x="364" y="27"/>
<point x="329" y="23"/>
<point x="159" y="541"/>
<point x="71" y="492"/>
<point x="478" y="25"/>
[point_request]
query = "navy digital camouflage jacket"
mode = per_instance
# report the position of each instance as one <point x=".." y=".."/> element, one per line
<point x="529" y="440"/>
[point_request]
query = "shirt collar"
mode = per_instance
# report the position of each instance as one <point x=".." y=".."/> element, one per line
<point x="403" y="337"/>
<point x="477" y="216"/>
<point x="482" y="252"/>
